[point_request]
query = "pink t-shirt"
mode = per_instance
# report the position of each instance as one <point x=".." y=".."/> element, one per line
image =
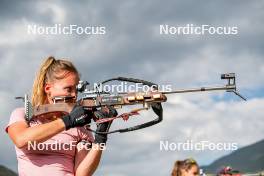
<point x="53" y="157"/>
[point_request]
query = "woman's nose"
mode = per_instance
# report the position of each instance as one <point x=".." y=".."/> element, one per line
<point x="74" y="93"/>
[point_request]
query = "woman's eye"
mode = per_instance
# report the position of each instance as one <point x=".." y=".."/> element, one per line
<point x="68" y="89"/>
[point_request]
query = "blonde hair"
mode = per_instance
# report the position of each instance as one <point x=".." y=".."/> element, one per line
<point x="49" y="72"/>
<point x="183" y="165"/>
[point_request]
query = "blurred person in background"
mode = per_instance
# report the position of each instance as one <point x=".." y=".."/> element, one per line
<point x="187" y="167"/>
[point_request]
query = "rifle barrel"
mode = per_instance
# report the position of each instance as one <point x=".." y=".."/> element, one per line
<point x="202" y="89"/>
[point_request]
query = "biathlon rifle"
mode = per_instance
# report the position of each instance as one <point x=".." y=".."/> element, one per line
<point x="94" y="99"/>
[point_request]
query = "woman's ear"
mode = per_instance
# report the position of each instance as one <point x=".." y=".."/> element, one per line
<point x="47" y="88"/>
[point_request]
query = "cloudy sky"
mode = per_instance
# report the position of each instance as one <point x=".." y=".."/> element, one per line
<point x="132" y="46"/>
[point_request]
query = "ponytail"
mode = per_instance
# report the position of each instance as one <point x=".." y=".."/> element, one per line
<point x="38" y="93"/>
<point x="176" y="169"/>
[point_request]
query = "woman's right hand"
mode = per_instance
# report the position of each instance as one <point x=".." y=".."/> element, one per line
<point x="77" y="117"/>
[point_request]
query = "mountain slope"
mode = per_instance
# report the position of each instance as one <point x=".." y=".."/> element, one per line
<point x="246" y="159"/>
<point x="6" y="172"/>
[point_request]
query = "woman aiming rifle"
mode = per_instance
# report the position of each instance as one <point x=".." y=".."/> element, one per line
<point x="64" y="137"/>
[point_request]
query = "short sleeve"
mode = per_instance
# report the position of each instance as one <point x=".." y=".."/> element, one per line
<point x="17" y="115"/>
<point x="85" y="134"/>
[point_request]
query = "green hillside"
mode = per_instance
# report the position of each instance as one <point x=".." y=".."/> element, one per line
<point x="246" y="159"/>
<point x="6" y="172"/>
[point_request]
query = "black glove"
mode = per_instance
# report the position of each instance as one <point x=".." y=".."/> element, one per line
<point x="105" y="112"/>
<point x="77" y="117"/>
